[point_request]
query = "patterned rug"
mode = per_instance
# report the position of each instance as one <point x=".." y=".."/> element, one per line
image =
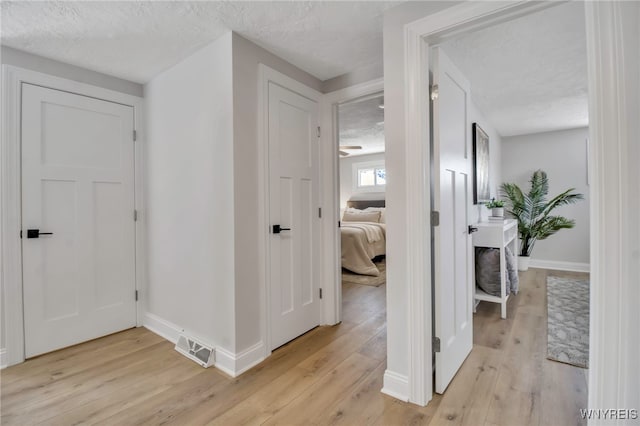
<point x="350" y="277"/>
<point x="568" y="320"/>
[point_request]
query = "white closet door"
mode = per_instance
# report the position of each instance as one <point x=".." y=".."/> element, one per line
<point x="78" y="185"/>
<point x="294" y="251"/>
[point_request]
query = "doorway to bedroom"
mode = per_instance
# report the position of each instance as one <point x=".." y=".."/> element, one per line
<point x="362" y="187"/>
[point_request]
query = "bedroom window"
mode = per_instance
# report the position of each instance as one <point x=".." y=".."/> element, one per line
<point x="369" y="177"/>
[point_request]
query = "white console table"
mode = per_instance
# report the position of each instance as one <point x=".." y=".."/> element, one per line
<point x="497" y="235"/>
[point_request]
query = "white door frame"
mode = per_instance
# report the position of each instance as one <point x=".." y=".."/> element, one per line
<point x="10" y="173"/>
<point x="419" y="35"/>
<point x="265" y="76"/>
<point x="330" y="166"/>
<point x="607" y="109"/>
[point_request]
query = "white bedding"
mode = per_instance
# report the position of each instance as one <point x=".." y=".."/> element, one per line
<point x="361" y="242"/>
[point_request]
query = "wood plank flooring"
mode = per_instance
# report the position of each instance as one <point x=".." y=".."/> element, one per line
<point x="331" y="375"/>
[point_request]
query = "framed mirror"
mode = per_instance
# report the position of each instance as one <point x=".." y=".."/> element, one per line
<point x="481" y="192"/>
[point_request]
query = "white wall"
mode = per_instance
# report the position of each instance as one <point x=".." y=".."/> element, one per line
<point x="246" y="182"/>
<point x="563" y="155"/>
<point x="346" y="179"/>
<point x="190" y="194"/>
<point x="398" y="344"/>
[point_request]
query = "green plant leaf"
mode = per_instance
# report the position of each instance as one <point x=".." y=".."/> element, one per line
<point x="533" y="211"/>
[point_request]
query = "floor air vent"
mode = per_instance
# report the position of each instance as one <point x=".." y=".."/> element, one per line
<point x="196" y="351"/>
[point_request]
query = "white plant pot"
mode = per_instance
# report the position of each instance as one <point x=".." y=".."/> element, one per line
<point x="497" y="212"/>
<point x="523" y="263"/>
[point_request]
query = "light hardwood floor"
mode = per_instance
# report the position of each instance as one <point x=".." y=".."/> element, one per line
<point x="331" y="375"/>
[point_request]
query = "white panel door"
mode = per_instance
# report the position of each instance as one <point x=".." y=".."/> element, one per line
<point x="78" y="185"/>
<point x="294" y="251"/>
<point x="453" y="261"/>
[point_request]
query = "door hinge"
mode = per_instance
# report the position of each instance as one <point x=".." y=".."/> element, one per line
<point x="135" y="215"/>
<point x="318" y="131"/>
<point x="135" y="135"/>
<point x="320" y="212"/>
<point x="435" y="344"/>
<point x="435" y="218"/>
<point x="434" y="92"/>
<point x="136" y="295"/>
<point x="320" y="293"/>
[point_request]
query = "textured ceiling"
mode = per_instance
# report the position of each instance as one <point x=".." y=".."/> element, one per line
<point x="362" y="123"/>
<point x="138" y="40"/>
<point x="528" y="75"/>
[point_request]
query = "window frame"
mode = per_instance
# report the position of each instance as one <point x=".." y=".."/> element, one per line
<point x="365" y="165"/>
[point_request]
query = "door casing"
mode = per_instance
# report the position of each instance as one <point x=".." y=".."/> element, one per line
<point x="331" y="266"/>
<point x="10" y="173"/>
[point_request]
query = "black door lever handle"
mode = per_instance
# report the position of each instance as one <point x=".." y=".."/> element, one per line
<point x="277" y="229"/>
<point x="35" y="233"/>
<point x="472" y="229"/>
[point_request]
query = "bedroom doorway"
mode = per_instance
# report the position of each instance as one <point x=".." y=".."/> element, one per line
<point x="362" y="186"/>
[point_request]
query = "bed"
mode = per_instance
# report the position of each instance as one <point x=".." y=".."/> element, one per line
<point x="363" y="236"/>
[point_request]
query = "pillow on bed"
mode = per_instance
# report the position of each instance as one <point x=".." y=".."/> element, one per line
<point x="351" y="216"/>
<point x="377" y="209"/>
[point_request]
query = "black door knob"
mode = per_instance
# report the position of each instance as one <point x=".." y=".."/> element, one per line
<point x="277" y="229"/>
<point x="35" y="233"/>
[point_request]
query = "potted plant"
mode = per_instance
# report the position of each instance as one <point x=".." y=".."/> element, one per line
<point x="496" y="207"/>
<point x="533" y="212"/>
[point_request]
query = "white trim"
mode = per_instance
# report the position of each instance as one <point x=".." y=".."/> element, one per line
<point x="161" y="327"/>
<point x="614" y="106"/>
<point x="457" y="19"/>
<point x="3" y="356"/>
<point x="559" y="266"/>
<point x="236" y="364"/>
<point x="11" y="253"/>
<point x="226" y="361"/>
<point x="396" y="385"/>
<point x="266" y="75"/>
<point x="330" y="193"/>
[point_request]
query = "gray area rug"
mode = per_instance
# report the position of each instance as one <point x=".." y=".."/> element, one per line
<point x="350" y="277"/>
<point x="568" y="320"/>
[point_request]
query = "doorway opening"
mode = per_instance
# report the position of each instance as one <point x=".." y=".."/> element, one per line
<point x="362" y="187"/>
<point x="528" y="95"/>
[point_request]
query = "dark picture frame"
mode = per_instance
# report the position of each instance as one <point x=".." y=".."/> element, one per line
<point x="481" y="190"/>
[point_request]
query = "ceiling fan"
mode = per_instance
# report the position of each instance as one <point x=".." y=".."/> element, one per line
<point x="342" y="151"/>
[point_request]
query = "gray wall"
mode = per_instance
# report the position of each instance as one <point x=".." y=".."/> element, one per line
<point x="246" y="58"/>
<point x="563" y="155"/>
<point x="358" y="76"/>
<point x="346" y="179"/>
<point x="26" y="60"/>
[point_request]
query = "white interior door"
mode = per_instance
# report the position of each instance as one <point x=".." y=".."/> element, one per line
<point x="294" y="250"/>
<point x="452" y="180"/>
<point x="78" y="185"/>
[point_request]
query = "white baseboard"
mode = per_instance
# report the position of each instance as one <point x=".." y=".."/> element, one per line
<point x="559" y="266"/>
<point x="396" y="385"/>
<point x="236" y="364"/>
<point x="3" y="358"/>
<point x="161" y="327"/>
<point x="226" y="361"/>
